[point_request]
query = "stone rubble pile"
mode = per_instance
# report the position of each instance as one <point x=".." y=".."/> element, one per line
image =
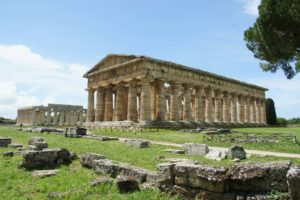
<point x="75" y="132"/>
<point x="192" y="180"/>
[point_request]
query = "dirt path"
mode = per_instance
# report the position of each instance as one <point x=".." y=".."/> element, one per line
<point x="255" y="152"/>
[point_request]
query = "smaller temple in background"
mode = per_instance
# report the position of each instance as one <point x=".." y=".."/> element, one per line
<point x="53" y="114"/>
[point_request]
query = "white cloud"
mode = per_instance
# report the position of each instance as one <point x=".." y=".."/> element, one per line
<point x="27" y="79"/>
<point x="250" y="6"/>
<point x="285" y="93"/>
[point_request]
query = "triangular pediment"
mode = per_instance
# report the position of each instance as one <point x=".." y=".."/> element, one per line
<point x="111" y="60"/>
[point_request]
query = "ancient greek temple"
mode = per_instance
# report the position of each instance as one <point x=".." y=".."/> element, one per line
<point x="53" y="114"/>
<point x="137" y="89"/>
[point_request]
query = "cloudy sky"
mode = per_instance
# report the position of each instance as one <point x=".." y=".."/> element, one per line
<point x="46" y="46"/>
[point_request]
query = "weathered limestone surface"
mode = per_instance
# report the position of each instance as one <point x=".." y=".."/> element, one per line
<point x="161" y="91"/>
<point x="196" y="149"/>
<point x="88" y="158"/>
<point x="127" y="184"/>
<point x="293" y="177"/>
<point x="35" y="139"/>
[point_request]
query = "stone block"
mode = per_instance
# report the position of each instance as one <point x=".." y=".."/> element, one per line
<point x="237" y="152"/>
<point x="215" y="154"/>
<point x="127" y="184"/>
<point x="259" y="177"/>
<point x="293" y="178"/>
<point x="8" y="154"/>
<point x="165" y="176"/>
<point x="41" y="145"/>
<point x="44" y="173"/>
<point x="100" y="181"/>
<point x="88" y="158"/>
<point x="196" y="149"/>
<point x="15" y="146"/>
<point x="35" y="139"/>
<point x="4" y="142"/>
<point x="137" y="143"/>
<point x="175" y="151"/>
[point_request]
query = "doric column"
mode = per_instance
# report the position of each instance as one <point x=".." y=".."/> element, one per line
<point x="61" y="117"/>
<point x="226" y="108"/>
<point x="241" y="109"/>
<point x="108" y="110"/>
<point x="258" y="111"/>
<point x="187" y="107"/>
<point x="99" y="114"/>
<point x="233" y="112"/>
<point x="119" y="107"/>
<point x="132" y="102"/>
<point x="91" y="105"/>
<point x="160" y="100"/>
<point x="263" y="111"/>
<point x="174" y="108"/>
<point x="48" y="117"/>
<point x="247" y="110"/>
<point x="218" y="106"/>
<point x="199" y="108"/>
<point x="253" y="110"/>
<point x="145" y="114"/>
<point x="208" y="105"/>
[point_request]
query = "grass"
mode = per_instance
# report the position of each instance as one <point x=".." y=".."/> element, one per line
<point x="180" y="138"/>
<point x="72" y="180"/>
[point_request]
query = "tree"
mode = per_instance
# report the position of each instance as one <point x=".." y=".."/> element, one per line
<point x="270" y="112"/>
<point x="275" y="36"/>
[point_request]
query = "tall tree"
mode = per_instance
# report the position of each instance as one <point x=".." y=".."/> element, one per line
<point x="275" y="36"/>
<point x="271" y="112"/>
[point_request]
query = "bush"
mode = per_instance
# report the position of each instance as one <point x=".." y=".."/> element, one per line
<point x="281" y="122"/>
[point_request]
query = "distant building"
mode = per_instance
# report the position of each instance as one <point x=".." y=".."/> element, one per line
<point x="52" y="114"/>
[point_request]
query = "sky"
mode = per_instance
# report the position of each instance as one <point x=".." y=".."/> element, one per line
<point x="46" y="46"/>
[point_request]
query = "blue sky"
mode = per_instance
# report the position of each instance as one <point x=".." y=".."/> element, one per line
<point x="46" y="46"/>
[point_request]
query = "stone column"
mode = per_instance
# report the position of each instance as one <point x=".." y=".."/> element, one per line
<point x="218" y="106"/>
<point x="258" y="111"/>
<point x="119" y="107"/>
<point x="91" y="106"/>
<point x="61" y="117"/>
<point x="199" y="108"/>
<point x="247" y="110"/>
<point x="226" y="108"/>
<point x="108" y="111"/>
<point x="233" y="112"/>
<point x="187" y="106"/>
<point x="160" y="101"/>
<point x="241" y="109"/>
<point x="132" y="102"/>
<point x="99" y="114"/>
<point x="145" y="114"/>
<point x="253" y="110"/>
<point x="263" y="111"/>
<point x="49" y="117"/>
<point x="208" y="105"/>
<point x="174" y="105"/>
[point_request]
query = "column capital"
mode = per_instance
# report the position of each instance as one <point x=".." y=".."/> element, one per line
<point x="90" y="89"/>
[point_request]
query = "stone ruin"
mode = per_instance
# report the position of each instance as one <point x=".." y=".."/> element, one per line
<point x="190" y="179"/>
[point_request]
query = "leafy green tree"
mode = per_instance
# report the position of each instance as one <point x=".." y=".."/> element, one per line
<point x="275" y="36"/>
<point x="281" y="121"/>
<point x="270" y="112"/>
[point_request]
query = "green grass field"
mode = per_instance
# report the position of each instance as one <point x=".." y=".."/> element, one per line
<point x="73" y="180"/>
<point x="178" y="137"/>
